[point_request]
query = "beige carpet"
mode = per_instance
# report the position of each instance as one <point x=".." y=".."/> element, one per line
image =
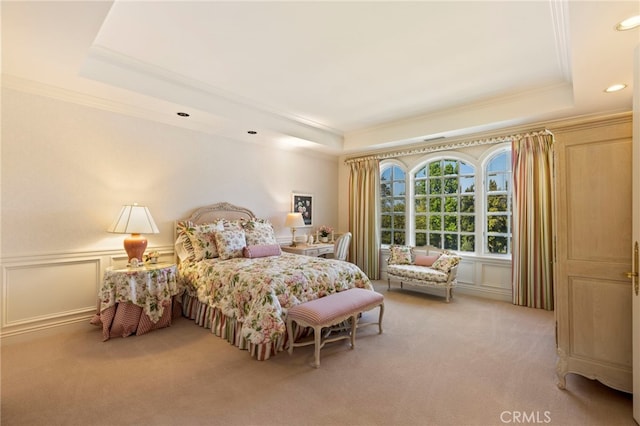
<point x="470" y="362"/>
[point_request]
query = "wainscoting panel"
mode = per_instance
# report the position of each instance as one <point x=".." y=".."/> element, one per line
<point x="48" y="291"/>
<point x="496" y="275"/>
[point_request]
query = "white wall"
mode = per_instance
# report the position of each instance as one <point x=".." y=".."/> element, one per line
<point x="68" y="168"/>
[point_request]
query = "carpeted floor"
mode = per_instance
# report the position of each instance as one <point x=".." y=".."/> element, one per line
<point x="470" y="362"/>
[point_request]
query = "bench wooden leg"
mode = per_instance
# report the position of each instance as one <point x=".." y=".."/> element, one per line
<point x="317" y="335"/>
<point x="354" y="326"/>
<point x="290" y="335"/>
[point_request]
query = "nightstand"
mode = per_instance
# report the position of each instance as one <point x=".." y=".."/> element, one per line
<point x="317" y="250"/>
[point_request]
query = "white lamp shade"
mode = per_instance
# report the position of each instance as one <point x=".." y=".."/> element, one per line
<point x="294" y="220"/>
<point x="134" y="219"/>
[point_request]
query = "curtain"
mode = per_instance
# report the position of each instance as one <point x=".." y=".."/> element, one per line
<point x="532" y="249"/>
<point x="364" y="184"/>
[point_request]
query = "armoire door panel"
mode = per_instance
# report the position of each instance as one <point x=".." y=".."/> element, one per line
<point x="601" y="308"/>
<point x="598" y="200"/>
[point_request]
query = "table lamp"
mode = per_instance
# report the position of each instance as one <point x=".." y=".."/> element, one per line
<point x="293" y="221"/>
<point x="134" y="220"/>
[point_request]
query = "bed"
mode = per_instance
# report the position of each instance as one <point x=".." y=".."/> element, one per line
<point x="240" y="284"/>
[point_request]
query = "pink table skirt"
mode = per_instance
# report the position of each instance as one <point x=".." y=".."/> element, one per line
<point x="124" y="319"/>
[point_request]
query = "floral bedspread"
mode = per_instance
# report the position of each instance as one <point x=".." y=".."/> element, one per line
<point x="258" y="292"/>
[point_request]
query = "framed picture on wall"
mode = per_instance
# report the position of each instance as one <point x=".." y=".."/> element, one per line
<point x="303" y="203"/>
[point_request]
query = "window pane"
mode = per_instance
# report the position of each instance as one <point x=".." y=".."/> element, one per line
<point x="421" y="173"/>
<point x="435" y="240"/>
<point x="385" y="237"/>
<point x="467" y="184"/>
<point x="421" y="187"/>
<point x="466" y="169"/>
<point x="451" y="204"/>
<point x="435" y="223"/>
<point x="450" y="167"/>
<point x="497" y="182"/>
<point x="421" y="205"/>
<point x="497" y="203"/>
<point x="467" y="223"/>
<point x="497" y="244"/>
<point x="386" y="174"/>
<point x="385" y="190"/>
<point x="387" y="205"/>
<point x="435" y="169"/>
<point x="451" y="241"/>
<point x="398" y="205"/>
<point x="467" y="243"/>
<point x="497" y="224"/>
<point x="421" y="239"/>
<point x="385" y="220"/>
<point x="435" y="186"/>
<point x="467" y="204"/>
<point x="421" y="222"/>
<point x="451" y="223"/>
<point x="398" y="238"/>
<point x="398" y="222"/>
<point x="499" y="163"/>
<point x="398" y="173"/>
<point x="435" y="204"/>
<point x="451" y="186"/>
<point x="398" y="188"/>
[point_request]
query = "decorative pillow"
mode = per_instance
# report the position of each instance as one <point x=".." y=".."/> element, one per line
<point x="400" y="255"/>
<point x="253" y="251"/>
<point x="183" y="243"/>
<point x="230" y="243"/>
<point x="424" y="260"/>
<point x="445" y="262"/>
<point x="203" y="241"/>
<point x="231" y="223"/>
<point x="259" y="232"/>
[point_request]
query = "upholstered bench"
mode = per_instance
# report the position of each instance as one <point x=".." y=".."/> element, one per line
<point x="330" y="311"/>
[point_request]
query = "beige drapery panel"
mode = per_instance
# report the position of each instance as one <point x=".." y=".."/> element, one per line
<point x="364" y="203"/>
<point x="532" y="248"/>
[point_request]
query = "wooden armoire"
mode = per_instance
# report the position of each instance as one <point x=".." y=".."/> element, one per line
<point x="592" y="221"/>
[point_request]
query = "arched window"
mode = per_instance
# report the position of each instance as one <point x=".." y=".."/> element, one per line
<point x="498" y="220"/>
<point x="393" y="201"/>
<point x="444" y="209"/>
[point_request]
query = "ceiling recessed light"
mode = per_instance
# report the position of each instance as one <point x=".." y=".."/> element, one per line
<point x="252" y="132"/>
<point x="615" y="88"/>
<point x="183" y="114"/>
<point x="629" y="24"/>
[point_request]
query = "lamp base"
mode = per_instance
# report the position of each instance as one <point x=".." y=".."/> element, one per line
<point x="293" y="238"/>
<point x="135" y="245"/>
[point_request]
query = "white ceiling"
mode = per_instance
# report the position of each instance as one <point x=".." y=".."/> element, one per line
<point x="340" y="77"/>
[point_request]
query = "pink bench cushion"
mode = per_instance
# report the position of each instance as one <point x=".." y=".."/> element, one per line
<point x="328" y="309"/>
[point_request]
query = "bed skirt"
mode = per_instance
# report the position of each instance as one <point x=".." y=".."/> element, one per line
<point x="231" y="330"/>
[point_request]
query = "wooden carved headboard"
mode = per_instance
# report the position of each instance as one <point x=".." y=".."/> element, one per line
<point x="211" y="213"/>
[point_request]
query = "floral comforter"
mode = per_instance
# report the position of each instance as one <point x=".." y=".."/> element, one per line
<point x="258" y="292"/>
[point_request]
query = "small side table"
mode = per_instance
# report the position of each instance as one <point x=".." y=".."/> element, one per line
<point x="317" y="250"/>
<point x="136" y="299"/>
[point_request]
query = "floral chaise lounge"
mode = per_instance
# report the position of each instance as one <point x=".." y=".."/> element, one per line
<point x="437" y="268"/>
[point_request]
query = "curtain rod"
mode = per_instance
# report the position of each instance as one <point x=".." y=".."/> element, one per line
<point x="446" y="146"/>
